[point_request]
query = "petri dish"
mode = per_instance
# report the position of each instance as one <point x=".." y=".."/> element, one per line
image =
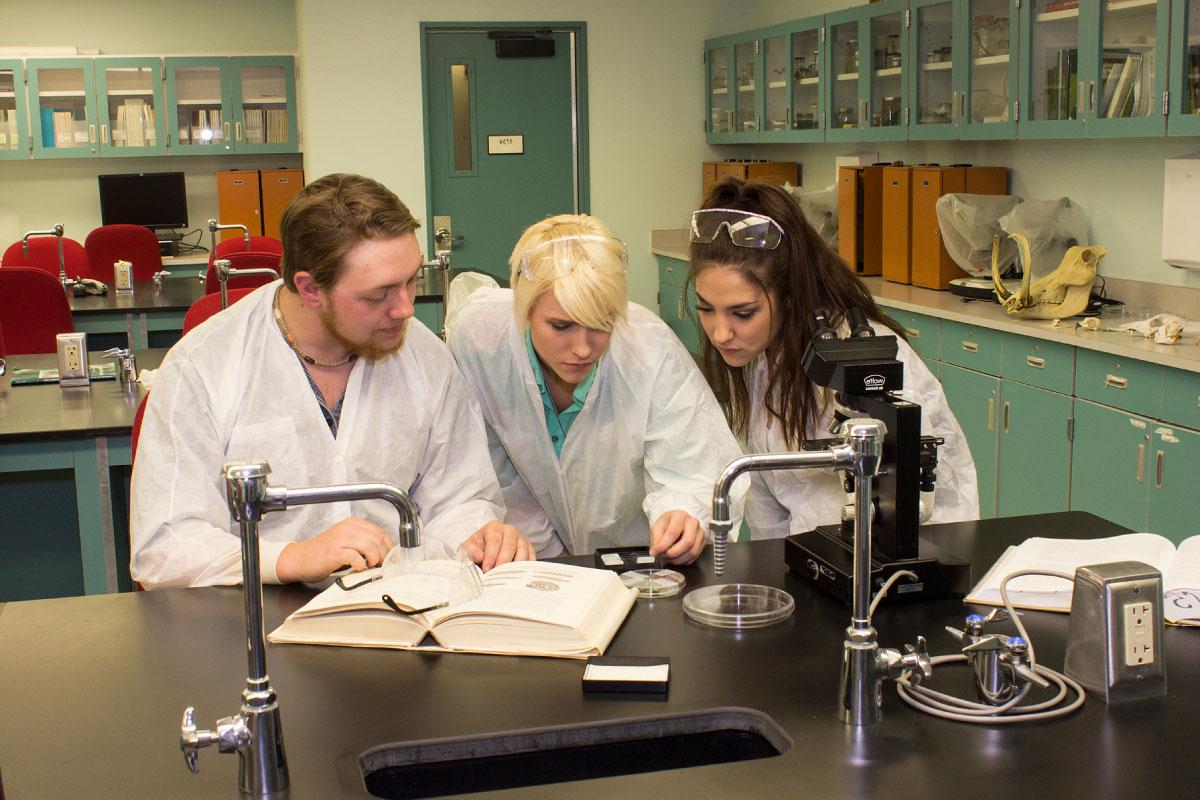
<point x="738" y="605"/>
<point x="651" y="583"/>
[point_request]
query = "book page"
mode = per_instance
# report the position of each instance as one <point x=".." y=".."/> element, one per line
<point x="555" y="594"/>
<point x="410" y="591"/>
<point x="1064" y="555"/>
<point x="361" y="628"/>
<point x="1181" y="584"/>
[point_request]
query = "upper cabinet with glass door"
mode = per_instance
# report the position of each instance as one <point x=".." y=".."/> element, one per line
<point x="734" y="66"/>
<point x="129" y="92"/>
<point x="236" y="104"/>
<point x="1184" y="111"/>
<point x="938" y="75"/>
<point x="844" y="97"/>
<point x="885" y="62"/>
<point x="792" y="58"/>
<point x="1053" y="77"/>
<point x="988" y="101"/>
<point x="1127" y="73"/>
<point x="13" y="124"/>
<point x="63" y="107"/>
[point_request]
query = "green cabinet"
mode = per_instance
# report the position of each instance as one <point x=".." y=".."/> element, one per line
<point x="62" y="100"/>
<point x="13" y="122"/>
<point x="793" y="58"/>
<point x="1175" y="477"/>
<point x="1183" y="118"/>
<point x="129" y="102"/>
<point x="975" y="398"/>
<point x="676" y="308"/>
<point x="1110" y="463"/>
<point x="866" y="55"/>
<point x="922" y="331"/>
<point x="1095" y="69"/>
<point x="734" y="69"/>
<point x="1034" y="469"/>
<point x="241" y="104"/>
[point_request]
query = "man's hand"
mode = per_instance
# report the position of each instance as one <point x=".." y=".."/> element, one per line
<point x="497" y="543"/>
<point x="352" y="541"/>
<point x="677" y="537"/>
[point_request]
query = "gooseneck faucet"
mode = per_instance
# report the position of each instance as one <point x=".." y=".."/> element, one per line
<point x="214" y="226"/>
<point x="57" y="232"/>
<point x="256" y="733"/>
<point x="864" y="663"/>
<point x="224" y="272"/>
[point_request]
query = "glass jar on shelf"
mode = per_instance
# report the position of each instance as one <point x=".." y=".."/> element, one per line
<point x="889" y="111"/>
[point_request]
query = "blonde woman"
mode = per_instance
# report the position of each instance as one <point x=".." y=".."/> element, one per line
<point x="602" y="430"/>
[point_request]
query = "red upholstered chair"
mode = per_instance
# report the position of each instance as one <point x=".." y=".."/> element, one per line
<point x="43" y="254"/>
<point x="243" y="260"/>
<point x="33" y="310"/>
<point x="237" y="244"/>
<point x="133" y="243"/>
<point x="208" y="305"/>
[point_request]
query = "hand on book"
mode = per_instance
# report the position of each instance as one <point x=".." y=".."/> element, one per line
<point x="495" y="544"/>
<point x="677" y="537"/>
<point x="352" y="541"/>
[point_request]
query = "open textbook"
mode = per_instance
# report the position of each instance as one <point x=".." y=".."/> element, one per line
<point x="524" y="608"/>
<point x="1180" y="568"/>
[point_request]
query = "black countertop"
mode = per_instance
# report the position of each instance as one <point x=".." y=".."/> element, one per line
<point x="49" y="411"/>
<point x="176" y="294"/>
<point x="94" y="688"/>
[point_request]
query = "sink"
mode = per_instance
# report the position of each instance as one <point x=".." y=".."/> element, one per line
<point x="568" y="753"/>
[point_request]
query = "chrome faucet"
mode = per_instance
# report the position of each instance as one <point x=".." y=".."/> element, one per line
<point x="214" y="226"/>
<point x="864" y="663"/>
<point x="57" y="232"/>
<point x="256" y="733"/>
<point x="224" y="272"/>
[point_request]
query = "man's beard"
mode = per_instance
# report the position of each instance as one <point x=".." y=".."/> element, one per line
<point x="365" y="350"/>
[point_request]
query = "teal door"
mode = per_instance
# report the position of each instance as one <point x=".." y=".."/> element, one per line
<point x="503" y="106"/>
<point x="1111" y="464"/>
<point x="1173" y="482"/>
<point x="1034" y="471"/>
<point x="974" y="399"/>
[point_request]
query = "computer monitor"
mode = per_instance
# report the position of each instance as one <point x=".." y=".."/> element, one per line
<point x="153" y="199"/>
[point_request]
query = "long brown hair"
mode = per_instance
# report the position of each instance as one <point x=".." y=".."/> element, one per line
<point x="798" y="277"/>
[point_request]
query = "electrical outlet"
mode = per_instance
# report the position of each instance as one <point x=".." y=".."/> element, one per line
<point x="1139" y="634"/>
<point x="72" y="359"/>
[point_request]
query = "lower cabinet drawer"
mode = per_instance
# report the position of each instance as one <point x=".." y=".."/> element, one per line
<point x="1036" y="362"/>
<point x="971" y="346"/>
<point x="1124" y="383"/>
<point x="921" y="330"/>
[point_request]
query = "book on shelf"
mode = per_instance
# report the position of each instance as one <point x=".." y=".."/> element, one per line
<point x="533" y="608"/>
<point x="1124" y="101"/>
<point x="47" y="120"/>
<point x="1180" y="568"/>
<point x="1060" y="5"/>
<point x="135" y="135"/>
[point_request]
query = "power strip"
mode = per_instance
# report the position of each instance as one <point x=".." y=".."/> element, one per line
<point x="72" y="359"/>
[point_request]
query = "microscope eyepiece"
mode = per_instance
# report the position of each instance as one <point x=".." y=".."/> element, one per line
<point x="860" y="327"/>
<point x="821" y="327"/>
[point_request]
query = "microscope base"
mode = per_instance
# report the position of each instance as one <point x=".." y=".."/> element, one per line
<point x="824" y="558"/>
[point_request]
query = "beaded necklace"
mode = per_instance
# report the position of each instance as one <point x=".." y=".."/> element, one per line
<point x="287" y="337"/>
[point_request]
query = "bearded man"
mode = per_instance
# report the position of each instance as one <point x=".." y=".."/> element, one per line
<point x="326" y="376"/>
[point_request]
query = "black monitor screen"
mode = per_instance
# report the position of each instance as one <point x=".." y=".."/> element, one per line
<point x="153" y="199"/>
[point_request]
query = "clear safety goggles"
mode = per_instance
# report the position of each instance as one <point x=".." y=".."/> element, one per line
<point x="560" y="257"/>
<point x="745" y="228"/>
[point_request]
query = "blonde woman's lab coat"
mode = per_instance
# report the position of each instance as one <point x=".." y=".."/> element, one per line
<point x="793" y="501"/>
<point x="649" y="439"/>
<point x="233" y="389"/>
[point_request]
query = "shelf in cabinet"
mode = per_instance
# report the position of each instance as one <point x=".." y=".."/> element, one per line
<point x="201" y="102"/>
<point x="747" y="88"/>
<point x="8" y="94"/>
<point x="71" y="93"/>
<point x="720" y="91"/>
<point x="809" y="81"/>
<point x="991" y="61"/>
<point x="1056" y="16"/>
<point x="130" y="92"/>
<point x="1119" y="6"/>
<point x="937" y="66"/>
<point x="890" y="72"/>
<point x="777" y="85"/>
<point x="847" y="76"/>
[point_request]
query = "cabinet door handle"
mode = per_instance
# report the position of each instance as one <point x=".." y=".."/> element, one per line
<point x="226" y="127"/>
<point x="1092" y="96"/>
<point x="991" y="413"/>
<point x="962" y="106"/>
<point x="92" y="134"/>
<point x="1116" y="381"/>
<point x="103" y="134"/>
<point x="1007" y="408"/>
<point x="1158" y="469"/>
<point x="1081" y="105"/>
<point x="237" y="131"/>
<point x="970" y="347"/>
<point x="1037" y="362"/>
<point x="679" y="309"/>
<point x="913" y="333"/>
<point x="1141" y="467"/>
<point x="954" y="115"/>
<point x="862" y="113"/>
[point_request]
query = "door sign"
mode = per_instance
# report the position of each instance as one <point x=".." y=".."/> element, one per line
<point x="510" y="144"/>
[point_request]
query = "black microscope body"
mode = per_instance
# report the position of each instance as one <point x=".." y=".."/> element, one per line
<point x="865" y="375"/>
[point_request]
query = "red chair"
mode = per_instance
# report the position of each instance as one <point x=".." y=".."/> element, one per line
<point x="43" y="254"/>
<point x="133" y="243"/>
<point x="251" y="260"/>
<point x="208" y="305"/>
<point x="33" y="310"/>
<point x="237" y="244"/>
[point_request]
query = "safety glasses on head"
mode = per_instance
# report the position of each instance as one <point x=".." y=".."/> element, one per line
<point x="745" y="228"/>
<point x="558" y="258"/>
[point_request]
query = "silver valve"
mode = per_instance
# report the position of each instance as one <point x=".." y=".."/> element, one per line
<point x="231" y="735"/>
<point x="1000" y="662"/>
<point x="127" y="371"/>
<point x="915" y="661"/>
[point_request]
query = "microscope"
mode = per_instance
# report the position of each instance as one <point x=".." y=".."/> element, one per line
<point x="865" y="375"/>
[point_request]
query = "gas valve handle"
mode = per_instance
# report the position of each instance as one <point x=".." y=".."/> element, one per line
<point x="191" y="740"/>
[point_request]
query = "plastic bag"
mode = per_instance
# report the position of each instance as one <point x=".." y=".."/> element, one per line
<point x="820" y="208"/>
<point x="1052" y="227"/>
<point x="463" y="285"/>
<point x="968" y="223"/>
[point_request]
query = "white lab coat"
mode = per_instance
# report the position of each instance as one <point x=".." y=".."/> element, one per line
<point x="649" y="439"/>
<point x="233" y="389"/>
<point x="793" y="501"/>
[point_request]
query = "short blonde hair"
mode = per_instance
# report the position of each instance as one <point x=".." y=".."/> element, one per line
<point x="594" y="294"/>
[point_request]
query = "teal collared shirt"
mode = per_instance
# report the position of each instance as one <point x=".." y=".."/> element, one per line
<point x="558" y="423"/>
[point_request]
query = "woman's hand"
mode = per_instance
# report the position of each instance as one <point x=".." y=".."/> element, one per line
<point x="677" y="536"/>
